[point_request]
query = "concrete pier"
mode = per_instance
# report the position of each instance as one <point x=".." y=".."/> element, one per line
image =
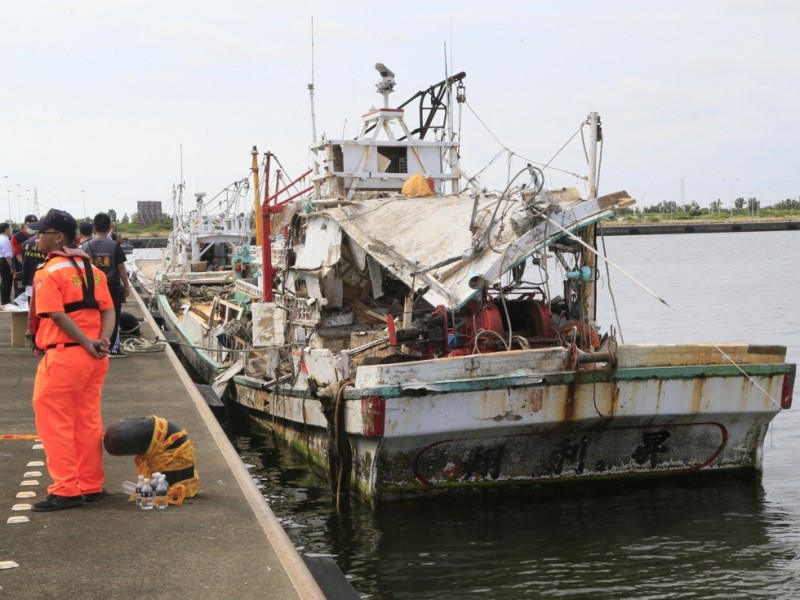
<point x="644" y="228"/>
<point x="224" y="543"/>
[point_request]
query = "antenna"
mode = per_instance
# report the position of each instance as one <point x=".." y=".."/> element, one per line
<point x="311" y="87"/>
<point x="450" y="134"/>
<point x="451" y="43"/>
<point x="181" y="150"/>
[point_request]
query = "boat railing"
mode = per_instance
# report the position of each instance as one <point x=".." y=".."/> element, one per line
<point x="208" y="225"/>
<point x="246" y="288"/>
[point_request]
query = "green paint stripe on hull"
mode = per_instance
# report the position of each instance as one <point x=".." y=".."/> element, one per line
<point x="582" y="377"/>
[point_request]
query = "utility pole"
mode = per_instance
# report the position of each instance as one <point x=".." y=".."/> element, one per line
<point x="731" y="182"/>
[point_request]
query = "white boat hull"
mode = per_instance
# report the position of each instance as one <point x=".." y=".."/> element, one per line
<point x="511" y="419"/>
<point x="192" y="343"/>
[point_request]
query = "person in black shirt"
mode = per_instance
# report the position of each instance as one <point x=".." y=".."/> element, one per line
<point x="32" y="257"/>
<point x="107" y="255"/>
<point x="17" y="240"/>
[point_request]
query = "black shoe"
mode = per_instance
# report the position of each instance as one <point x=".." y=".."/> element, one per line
<point x="56" y="502"/>
<point x="95" y="496"/>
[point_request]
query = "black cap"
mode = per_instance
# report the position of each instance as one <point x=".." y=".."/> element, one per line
<point x="85" y="228"/>
<point x="60" y="220"/>
<point x="31" y="218"/>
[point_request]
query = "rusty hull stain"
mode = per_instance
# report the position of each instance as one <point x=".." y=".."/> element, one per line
<point x="535" y="400"/>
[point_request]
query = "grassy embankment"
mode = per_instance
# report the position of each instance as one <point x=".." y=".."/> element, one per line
<point x="134" y="230"/>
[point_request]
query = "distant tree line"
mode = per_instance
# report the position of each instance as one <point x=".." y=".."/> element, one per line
<point x="749" y="206"/>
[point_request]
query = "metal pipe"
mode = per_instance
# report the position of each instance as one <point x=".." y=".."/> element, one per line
<point x="594" y="357"/>
<point x="266" y="246"/>
<point x="590" y="233"/>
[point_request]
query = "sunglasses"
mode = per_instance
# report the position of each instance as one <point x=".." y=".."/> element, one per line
<point x="45" y="232"/>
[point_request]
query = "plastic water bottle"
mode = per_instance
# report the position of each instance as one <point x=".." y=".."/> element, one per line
<point x="139" y="485"/>
<point x="147" y="496"/>
<point x="129" y="488"/>
<point x="161" y="501"/>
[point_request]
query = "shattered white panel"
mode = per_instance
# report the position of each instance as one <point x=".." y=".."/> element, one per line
<point x="268" y="324"/>
<point x="427" y="242"/>
<point x="299" y="370"/>
<point x="376" y="277"/>
<point x="313" y="288"/>
<point x="338" y="319"/>
<point x="291" y="281"/>
<point x="322" y="246"/>
<point x="320" y="365"/>
<point x="358" y="254"/>
<point x="333" y="288"/>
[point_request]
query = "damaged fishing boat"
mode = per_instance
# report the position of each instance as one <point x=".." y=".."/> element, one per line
<point x="207" y="250"/>
<point x="415" y="341"/>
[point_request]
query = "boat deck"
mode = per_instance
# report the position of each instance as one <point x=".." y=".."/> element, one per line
<point x="224" y="543"/>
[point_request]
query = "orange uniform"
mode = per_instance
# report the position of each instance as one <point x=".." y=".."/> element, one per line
<point x="66" y="395"/>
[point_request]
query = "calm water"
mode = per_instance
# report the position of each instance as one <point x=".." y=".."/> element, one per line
<point x="715" y="539"/>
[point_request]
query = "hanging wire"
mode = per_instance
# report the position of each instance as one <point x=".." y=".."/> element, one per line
<point x="285" y="173"/>
<point x="665" y="303"/>
<point x="546" y="165"/>
<point x="608" y="280"/>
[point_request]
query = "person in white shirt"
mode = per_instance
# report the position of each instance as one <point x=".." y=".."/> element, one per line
<point x="6" y="265"/>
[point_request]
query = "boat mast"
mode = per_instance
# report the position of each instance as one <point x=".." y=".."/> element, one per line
<point x="311" y="90"/>
<point x="315" y="164"/>
<point x="590" y="232"/>
<point x="257" y="198"/>
<point x="177" y="235"/>
<point x="449" y="131"/>
<point x="197" y="225"/>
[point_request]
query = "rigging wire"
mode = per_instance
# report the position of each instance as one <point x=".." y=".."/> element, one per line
<point x="285" y="174"/>
<point x="665" y="303"/>
<point x="534" y="162"/>
<point x="610" y="291"/>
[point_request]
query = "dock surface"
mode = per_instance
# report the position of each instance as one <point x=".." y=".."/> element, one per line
<point x="224" y="543"/>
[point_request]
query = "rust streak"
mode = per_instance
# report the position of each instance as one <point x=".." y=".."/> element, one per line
<point x="614" y="399"/>
<point x="569" y="402"/>
<point x="697" y="395"/>
<point x="535" y="400"/>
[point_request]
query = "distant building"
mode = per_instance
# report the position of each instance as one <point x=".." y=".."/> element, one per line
<point x="149" y="211"/>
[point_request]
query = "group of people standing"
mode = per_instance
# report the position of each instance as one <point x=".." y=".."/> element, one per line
<point x="75" y="295"/>
<point x="21" y="256"/>
<point x="12" y="248"/>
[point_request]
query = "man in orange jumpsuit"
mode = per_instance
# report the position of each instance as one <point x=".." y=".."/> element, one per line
<point x="77" y="318"/>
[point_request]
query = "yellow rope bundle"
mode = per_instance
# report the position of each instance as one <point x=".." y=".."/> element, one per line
<point x="160" y="458"/>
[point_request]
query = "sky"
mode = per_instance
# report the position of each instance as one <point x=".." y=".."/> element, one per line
<point x="103" y="104"/>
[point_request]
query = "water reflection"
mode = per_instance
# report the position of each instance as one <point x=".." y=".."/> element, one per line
<point x="704" y="539"/>
<point x="697" y="539"/>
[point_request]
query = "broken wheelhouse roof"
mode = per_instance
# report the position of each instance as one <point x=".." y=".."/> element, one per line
<point x="444" y="248"/>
